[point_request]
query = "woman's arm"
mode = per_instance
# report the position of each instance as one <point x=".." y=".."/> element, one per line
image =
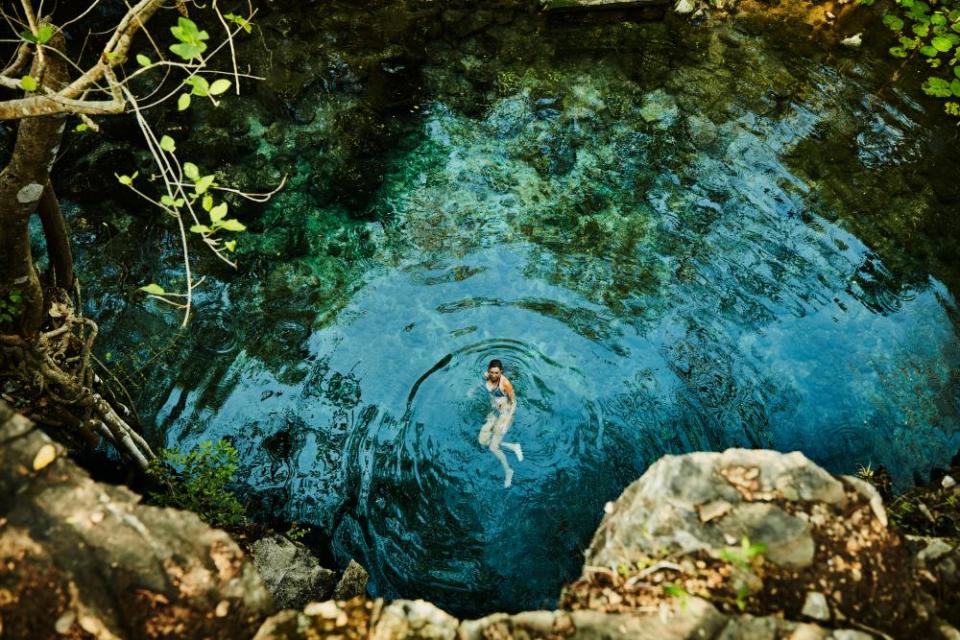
<point x="511" y="396"/>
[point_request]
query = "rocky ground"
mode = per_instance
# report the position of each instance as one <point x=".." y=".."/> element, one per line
<point x="744" y="543"/>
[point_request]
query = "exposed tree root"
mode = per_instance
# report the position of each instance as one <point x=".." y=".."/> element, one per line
<point x="52" y="377"/>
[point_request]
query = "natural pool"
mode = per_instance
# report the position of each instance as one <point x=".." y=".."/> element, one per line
<point x="674" y="239"/>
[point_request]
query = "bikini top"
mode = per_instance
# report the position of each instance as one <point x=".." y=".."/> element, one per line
<point x="497" y="392"/>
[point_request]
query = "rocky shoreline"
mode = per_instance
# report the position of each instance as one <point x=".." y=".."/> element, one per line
<point x="744" y="543"/>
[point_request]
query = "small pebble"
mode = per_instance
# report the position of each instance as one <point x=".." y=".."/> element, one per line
<point x="816" y="606"/>
<point x="948" y="482"/>
<point x="853" y="41"/>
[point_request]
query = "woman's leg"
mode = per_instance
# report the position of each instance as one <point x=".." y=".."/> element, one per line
<point x="486" y="431"/>
<point x="501" y="427"/>
<point x="495" y="450"/>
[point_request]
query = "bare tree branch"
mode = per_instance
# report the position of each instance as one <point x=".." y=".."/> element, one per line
<point x="114" y="53"/>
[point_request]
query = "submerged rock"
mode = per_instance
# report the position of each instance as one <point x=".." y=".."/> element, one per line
<point x="292" y="573"/>
<point x="80" y="557"/>
<point x="659" y="107"/>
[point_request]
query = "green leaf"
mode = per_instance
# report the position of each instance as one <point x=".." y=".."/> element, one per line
<point x="893" y="22"/>
<point x="191" y="171"/>
<point x="44" y="34"/>
<point x="955" y="88"/>
<point x="909" y="43"/>
<point x="240" y="20"/>
<point x="200" y="228"/>
<point x="207" y="202"/>
<point x="929" y="51"/>
<point x="921" y="30"/>
<point x="190" y="38"/>
<point x="203" y="184"/>
<point x="938" y="19"/>
<point x="956" y="71"/>
<point x="232" y="225"/>
<point x="28" y="83"/>
<point x="231" y="245"/>
<point x="187" y="31"/>
<point x="937" y="87"/>
<point x="80" y="128"/>
<point x="219" y="212"/>
<point x="167" y="144"/>
<point x="199" y="84"/>
<point x="952" y="109"/>
<point x="183" y="102"/>
<point x="898" y="52"/>
<point x="942" y="44"/>
<point x="153" y="289"/>
<point x="128" y="180"/>
<point x="28" y="36"/>
<point x="143" y="60"/>
<point x="188" y="51"/>
<point x="219" y="86"/>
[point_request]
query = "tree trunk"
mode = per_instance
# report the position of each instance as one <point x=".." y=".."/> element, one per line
<point x="58" y="242"/>
<point x="22" y="184"/>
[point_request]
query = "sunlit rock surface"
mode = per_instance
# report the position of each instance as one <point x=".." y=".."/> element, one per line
<point x="80" y="557"/>
<point x="669" y="561"/>
<point x="827" y="552"/>
<point x="291" y="573"/>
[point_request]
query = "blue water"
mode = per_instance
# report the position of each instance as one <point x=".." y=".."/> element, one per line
<point x="654" y="274"/>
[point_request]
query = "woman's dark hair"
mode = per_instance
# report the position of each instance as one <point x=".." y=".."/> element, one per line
<point x="495" y="364"/>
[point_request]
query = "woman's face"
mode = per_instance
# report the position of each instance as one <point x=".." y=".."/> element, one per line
<point x="494" y="374"/>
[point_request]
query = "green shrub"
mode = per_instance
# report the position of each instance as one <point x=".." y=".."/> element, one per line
<point x="199" y="481"/>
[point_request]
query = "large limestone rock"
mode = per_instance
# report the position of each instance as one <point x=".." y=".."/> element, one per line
<point x="292" y="573"/>
<point x="768" y="531"/>
<point x="84" y="559"/>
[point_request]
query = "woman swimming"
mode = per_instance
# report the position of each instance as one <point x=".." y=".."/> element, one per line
<point x="504" y="402"/>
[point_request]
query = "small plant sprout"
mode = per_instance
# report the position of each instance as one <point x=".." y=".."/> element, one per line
<point x="744" y="560"/>
<point x="678" y="592"/>
<point x="865" y="472"/>
<point x="744" y="555"/>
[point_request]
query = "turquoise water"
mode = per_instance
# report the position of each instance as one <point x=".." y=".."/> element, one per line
<point x="658" y="271"/>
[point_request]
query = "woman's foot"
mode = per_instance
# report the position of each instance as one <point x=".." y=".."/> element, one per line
<point x="508" y="480"/>
<point x="517" y="451"/>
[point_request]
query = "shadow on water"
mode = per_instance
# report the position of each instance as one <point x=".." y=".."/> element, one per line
<point x="653" y="243"/>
